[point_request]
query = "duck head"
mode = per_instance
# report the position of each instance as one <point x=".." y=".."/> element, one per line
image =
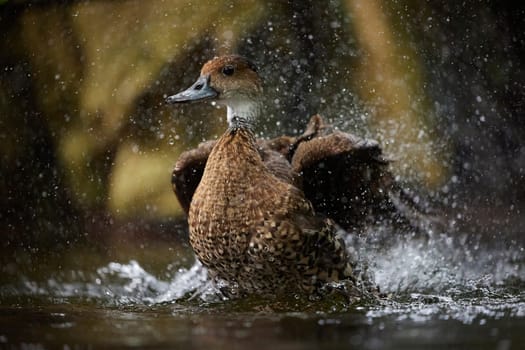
<point x="231" y="81"/>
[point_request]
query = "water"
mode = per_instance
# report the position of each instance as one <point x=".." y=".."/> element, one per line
<point x="445" y="290"/>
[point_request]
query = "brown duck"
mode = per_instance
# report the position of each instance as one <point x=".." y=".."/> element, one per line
<point x="261" y="212"/>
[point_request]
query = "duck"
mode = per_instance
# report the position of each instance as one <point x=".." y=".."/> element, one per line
<point x="269" y="216"/>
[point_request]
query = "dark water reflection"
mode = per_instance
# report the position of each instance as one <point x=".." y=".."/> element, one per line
<point x="165" y="326"/>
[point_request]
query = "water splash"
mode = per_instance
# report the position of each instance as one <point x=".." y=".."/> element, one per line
<point x="442" y="276"/>
<point x="448" y="276"/>
<point x="131" y="284"/>
<point x="117" y="284"/>
<point x="193" y="281"/>
<point x="442" y="263"/>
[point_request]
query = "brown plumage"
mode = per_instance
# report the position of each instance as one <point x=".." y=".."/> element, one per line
<point x="346" y="178"/>
<point x="249" y="219"/>
<point x="256" y="230"/>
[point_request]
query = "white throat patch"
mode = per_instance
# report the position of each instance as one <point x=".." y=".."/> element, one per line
<point x="243" y="111"/>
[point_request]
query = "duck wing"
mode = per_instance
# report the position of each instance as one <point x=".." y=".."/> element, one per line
<point x="347" y="179"/>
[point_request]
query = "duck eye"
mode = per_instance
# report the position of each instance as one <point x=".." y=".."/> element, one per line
<point x="228" y="70"/>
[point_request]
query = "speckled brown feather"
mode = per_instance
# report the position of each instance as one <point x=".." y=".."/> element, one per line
<point x="276" y="154"/>
<point x="257" y="231"/>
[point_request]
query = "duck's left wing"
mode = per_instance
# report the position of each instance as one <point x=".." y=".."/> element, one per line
<point x="347" y="179"/>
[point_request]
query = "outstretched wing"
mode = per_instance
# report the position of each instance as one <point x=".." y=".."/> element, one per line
<point x="347" y="179"/>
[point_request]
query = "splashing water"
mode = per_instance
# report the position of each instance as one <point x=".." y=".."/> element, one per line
<point x="120" y="284"/>
<point x="443" y="263"/>
<point x="449" y="277"/>
<point x="444" y="276"/>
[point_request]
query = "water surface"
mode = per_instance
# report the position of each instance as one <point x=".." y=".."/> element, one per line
<point x="445" y="290"/>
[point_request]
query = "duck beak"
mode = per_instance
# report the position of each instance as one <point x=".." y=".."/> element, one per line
<point x="200" y="90"/>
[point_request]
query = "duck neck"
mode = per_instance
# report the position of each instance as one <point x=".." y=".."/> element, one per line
<point x="234" y="155"/>
<point x="242" y="114"/>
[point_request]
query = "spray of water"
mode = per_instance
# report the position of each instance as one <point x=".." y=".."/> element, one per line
<point x="441" y="275"/>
